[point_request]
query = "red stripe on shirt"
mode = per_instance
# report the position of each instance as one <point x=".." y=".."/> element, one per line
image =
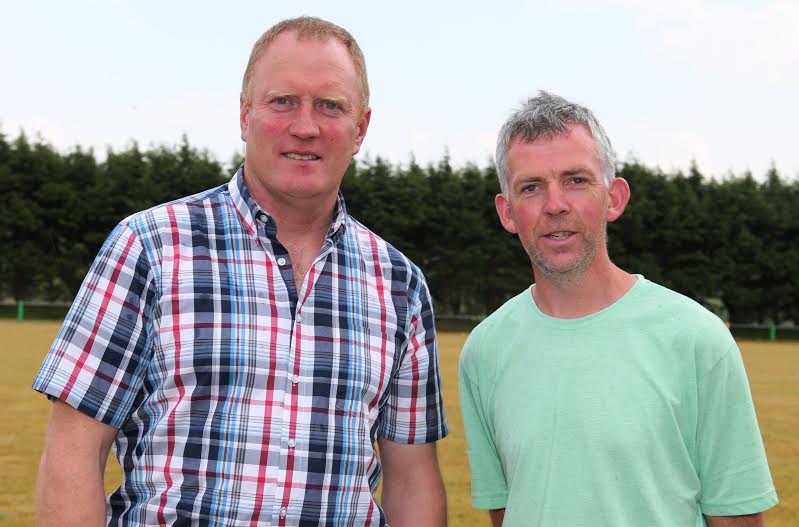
<point x="268" y="403"/>
<point x="178" y="379"/>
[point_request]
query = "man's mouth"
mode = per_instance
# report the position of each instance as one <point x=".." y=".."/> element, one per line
<point x="301" y="157"/>
<point x="560" y="235"/>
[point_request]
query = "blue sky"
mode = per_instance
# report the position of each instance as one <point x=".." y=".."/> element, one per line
<point x="714" y="81"/>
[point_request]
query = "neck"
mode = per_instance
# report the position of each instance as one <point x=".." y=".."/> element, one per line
<point x="302" y="225"/>
<point x="594" y="290"/>
<point x="299" y="219"/>
<point x="295" y="227"/>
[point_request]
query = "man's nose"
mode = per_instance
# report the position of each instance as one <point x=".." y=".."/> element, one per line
<point x="556" y="201"/>
<point x="304" y="124"/>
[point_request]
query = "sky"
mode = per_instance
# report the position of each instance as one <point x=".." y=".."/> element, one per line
<point x="713" y="81"/>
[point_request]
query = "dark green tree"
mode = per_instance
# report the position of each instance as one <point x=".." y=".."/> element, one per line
<point x="25" y="234"/>
<point x="731" y="239"/>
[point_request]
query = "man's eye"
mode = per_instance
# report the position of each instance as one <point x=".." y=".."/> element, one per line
<point x="281" y="103"/>
<point x="579" y="180"/>
<point x="331" y="108"/>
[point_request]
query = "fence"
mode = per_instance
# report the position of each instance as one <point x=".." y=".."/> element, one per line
<point x="764" y="332"/>
<point x="444" y="322"/>
<point x="739" y="331"/>
<point x="34" y="310"/>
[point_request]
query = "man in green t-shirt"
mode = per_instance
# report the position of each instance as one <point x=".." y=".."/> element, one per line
<point x="597" y="397"/>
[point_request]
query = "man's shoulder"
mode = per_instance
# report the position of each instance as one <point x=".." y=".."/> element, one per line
<point x="378" y="251"/>
<point x="507" y="313"/>
<point x="496" y="326"/>
<point x="178" y="212"/>
<point x="682" y="322"/>
<point x="669" y="302"/>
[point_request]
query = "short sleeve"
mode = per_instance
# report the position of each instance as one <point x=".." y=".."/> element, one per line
<point x="489" y="486"/>
<point x="414" y="409"/>
<point x="97" y="361"/>
<point x="732" y="465"/>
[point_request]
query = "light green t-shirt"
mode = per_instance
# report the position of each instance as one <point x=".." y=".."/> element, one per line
<point x="637" y="415"/>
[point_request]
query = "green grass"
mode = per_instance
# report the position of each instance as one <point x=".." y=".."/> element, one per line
<point x="773" y="373"/>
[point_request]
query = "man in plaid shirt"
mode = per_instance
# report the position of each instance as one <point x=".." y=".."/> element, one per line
<point x="245" y="348"/>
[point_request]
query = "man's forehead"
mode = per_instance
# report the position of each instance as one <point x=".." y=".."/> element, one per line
<point x="316" y="63"/>
<point x="570" y="151"/>
<point x="292" y="38"/>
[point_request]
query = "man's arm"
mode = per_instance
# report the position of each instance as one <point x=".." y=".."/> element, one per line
<point x="413" y="490"/>
<point x="69" y="490"/>
<point x="747" y="520"/>
<point x="497" y="517"/>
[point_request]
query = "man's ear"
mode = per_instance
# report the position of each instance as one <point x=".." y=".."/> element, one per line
<point x="503" y="211"/>
<point x="244" y="108"/>
<point x="618" y="196"/>
<point x="363" y="124"/>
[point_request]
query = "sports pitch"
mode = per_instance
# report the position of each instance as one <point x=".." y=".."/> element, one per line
<point x="773" y="370"/>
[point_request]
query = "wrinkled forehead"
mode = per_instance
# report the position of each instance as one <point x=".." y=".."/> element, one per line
<point x="554" y="150"/>
<point x="293" y="40"/>
<point x="326" y="53"/>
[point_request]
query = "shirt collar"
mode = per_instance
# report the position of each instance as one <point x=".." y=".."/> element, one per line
<point x="248" y="208"/>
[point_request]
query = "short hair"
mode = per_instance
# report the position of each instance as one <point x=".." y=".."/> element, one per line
<point x="547" y="115"/>
<point x="307" y="27"/>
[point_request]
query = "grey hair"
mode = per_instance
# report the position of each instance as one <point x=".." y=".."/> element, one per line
<point x="547" y="115"/>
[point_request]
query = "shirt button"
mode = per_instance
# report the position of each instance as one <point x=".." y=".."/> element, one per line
<point x="281" y="261"/>
<point x="292" y="443"/>
<point x="299" y="318"/>
<point x="282" y="512"/>
<point x="294" y="379"/>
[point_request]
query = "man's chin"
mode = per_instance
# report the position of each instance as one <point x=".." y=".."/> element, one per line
<point x="560" y="271"/>
<point x="304" y="192"/>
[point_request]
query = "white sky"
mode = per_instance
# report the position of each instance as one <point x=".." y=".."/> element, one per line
<point x="716" y="80"/>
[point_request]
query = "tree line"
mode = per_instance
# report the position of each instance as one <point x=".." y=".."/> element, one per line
<point x="729" y="241"/>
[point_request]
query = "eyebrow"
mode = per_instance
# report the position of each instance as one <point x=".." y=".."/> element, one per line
<point x="569" y="172"/>
<point x="336" y="99"/>
<point x="271" y="94"/>
<point x="524" y="181"/>
<point x="576" y="171"/>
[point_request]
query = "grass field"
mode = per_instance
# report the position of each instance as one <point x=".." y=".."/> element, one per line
<point x="773" y="373"/>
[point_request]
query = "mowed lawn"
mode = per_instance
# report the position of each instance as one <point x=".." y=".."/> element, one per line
<point x="773" y="373"/>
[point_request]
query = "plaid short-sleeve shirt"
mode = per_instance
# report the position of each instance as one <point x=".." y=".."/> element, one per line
<point x="240" y="397"/>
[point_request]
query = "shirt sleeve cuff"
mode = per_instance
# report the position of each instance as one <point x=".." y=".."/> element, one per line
<point x="751" y="506"/>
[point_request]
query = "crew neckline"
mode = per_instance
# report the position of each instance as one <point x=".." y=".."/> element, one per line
<point x="568" y="323"/>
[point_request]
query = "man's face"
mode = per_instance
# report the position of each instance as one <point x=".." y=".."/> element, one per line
<point x="558" y="203"/>
<point x="304" y="120"/>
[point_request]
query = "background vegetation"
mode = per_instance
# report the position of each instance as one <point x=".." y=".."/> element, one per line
<point x="731" y="240"/>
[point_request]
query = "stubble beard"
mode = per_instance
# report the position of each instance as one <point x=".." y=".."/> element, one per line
<point x="571" y="272"/>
